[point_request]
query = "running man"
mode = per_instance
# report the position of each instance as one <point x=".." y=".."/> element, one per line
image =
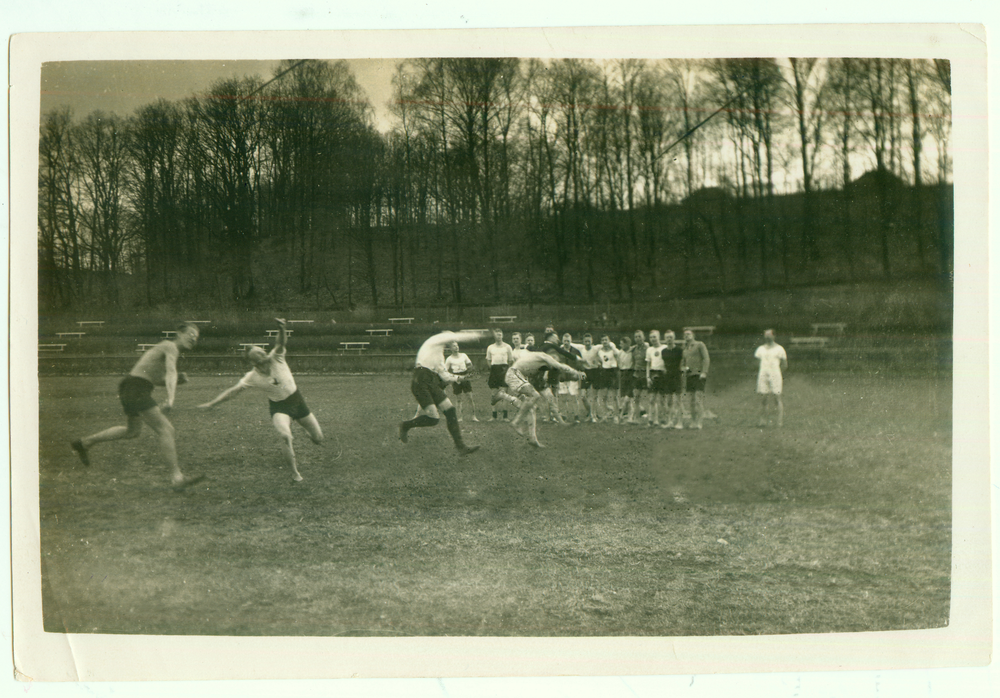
<point x="773" y="361"/>
<point x="519" y="382"/>
<point x="429" y="376"/>
<point x="499" y="357"/>
<point x="460" y="366"/>
<point x="157" y="366"/>
<point x="271" y="374"/>
<point x="694" y="364"/>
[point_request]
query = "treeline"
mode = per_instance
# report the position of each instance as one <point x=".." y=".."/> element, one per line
<point x="502" y="180"/>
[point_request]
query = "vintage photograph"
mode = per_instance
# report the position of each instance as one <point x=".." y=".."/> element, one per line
<point x="501" y="345"/>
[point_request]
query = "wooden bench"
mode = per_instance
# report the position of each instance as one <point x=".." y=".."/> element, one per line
<point x="289" y="322"/>
<point x="99" y="323"/>
<point x="811" y="341"/>
<point x="247" y="345"/>
<point x="384" y="333"/>
<point x="503" y="318"/>
<point x="70" y="334"/>
<point x="354" y="346"/>
<point x="144" y="347"/>
<point x="397" y="320"/>
<point x="169" y="334"/>
<point x="198" y="322"/>
<point x="838" y="326"/>
<point x="51" y="347"/>
<point x="274" y="333"/>
<point x="701" y="329"/>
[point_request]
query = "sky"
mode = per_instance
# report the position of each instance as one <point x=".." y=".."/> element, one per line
<point x="120" y="87"/>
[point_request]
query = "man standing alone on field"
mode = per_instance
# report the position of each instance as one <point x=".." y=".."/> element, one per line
<point x="429" y="376"/>
<point x="271" y="374"/>
<point x="773" y="361"/>
<point x="694" y="364"/>
<point x="157" y="366"/>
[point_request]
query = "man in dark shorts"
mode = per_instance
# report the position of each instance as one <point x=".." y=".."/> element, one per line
<point x="695" y="365"/>
<point x="429" y="377"/>
<point x="271" y="374"/>
<point x="157" y="366"/>
<point x="499" y="357"/>
<point x="672" y="354"/>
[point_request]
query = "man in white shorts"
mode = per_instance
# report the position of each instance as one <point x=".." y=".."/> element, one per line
<point x="773" y="361"/>
<point x="569" y="390"/>
<point x="519" y="377"/>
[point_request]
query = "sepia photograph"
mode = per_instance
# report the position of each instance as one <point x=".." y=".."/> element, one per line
<point x="489" y="342"/>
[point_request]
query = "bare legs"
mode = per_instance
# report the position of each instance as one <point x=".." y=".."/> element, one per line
<point x="165" y="436"/>
<point x="283" y="424"/>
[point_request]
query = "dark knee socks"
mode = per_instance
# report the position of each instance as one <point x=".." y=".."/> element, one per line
<point x="451" y="417"/>
<point x="422" y="420"/>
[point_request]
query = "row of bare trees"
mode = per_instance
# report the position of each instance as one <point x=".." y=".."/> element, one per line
<point x="501" y="179"/>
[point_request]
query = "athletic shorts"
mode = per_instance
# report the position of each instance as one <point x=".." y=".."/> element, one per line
<point x="769" y="383"/>
<point x="462" y="387"/>
<point x="628" y="384"/>
<point x="658" y="382"/>
<point x="294" y="406"/>
<point x="587" y="382"/>
<point x="496" y="379"/>
<point x="136" y="395"/>
<point x="638" y="380"/>
<point x="517" y="384"/>
<point x="555" y="378"/>
<point x="426" y="387"/>
<point x="695" y="383"/>
<point x="672" y="382"/>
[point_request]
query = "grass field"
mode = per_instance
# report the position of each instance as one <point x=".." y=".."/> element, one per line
<point x="840" y="521"/>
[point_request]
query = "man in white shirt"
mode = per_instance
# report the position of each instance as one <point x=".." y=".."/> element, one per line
<point x="591" y="365"/>
<point x="460" y="366"/>
<point x="607" y="383"/>
<point x="499" y="357"/>
<point x="429" y="376"/>
<point x="271" y="374"/>
<point x="773" y="361"/>
<point x="656" y="379"/>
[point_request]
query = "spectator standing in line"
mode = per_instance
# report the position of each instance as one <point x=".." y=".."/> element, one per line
<point x="695" y="363"/>
<point x="459" y="365"/>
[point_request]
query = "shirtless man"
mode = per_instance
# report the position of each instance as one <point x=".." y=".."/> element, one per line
<point x="429" y="375"/>
<point x="519" y="377"/>
<point x="271" y="374"/>
<point x="157" y="366"/>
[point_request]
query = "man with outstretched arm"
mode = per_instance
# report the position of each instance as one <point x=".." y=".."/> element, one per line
<point x="429" y="376"/>
<point x="271" y="374"/>
<point x="519" y="376"/>
<point x="157" y="366"/>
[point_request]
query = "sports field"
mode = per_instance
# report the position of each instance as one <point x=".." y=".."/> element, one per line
<point x="840" y="521"/>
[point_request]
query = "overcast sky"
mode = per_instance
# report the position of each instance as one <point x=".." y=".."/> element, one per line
<point x="120" y="87"/>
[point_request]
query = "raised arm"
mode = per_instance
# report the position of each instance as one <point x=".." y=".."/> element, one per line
<point x="282" y="334"/>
